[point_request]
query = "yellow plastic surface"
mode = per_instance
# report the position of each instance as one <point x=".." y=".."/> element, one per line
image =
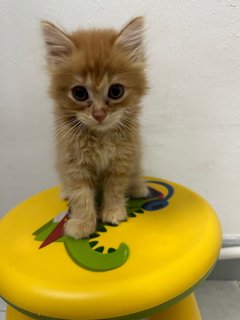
<point x="13" y="314"/>
<point x="170" y="251"/>
<point x="186" y="309"/>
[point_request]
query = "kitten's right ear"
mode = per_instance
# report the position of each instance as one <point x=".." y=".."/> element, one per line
<point x="58" y="44"/>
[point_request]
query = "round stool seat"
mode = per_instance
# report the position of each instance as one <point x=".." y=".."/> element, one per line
<point x="171" y="244"/>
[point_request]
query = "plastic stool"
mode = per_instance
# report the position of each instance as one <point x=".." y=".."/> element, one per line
<point x="172" y="244"/>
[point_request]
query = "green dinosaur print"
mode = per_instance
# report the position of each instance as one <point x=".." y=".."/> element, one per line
<point x="87" y="254"/>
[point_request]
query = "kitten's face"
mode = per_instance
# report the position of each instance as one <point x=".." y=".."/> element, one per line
<point x="97" y="75"/>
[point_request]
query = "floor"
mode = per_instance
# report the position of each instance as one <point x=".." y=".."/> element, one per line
<point x="218" y="300"/>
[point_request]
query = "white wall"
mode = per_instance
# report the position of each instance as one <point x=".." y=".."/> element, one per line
<point x="191" y="118"/>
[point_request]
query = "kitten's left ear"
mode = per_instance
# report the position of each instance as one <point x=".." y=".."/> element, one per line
<point x="131" y="39"/>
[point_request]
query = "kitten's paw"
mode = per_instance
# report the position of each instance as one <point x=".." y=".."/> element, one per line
<point x="139" y="190"/>
<point x="114" y="216"/>
<point x="79" y="229"/>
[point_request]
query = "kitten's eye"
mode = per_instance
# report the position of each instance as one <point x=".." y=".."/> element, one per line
<point x="80" y="93"/>
<point x="116" y="91"/>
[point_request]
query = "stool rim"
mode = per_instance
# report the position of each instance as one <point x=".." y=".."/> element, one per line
<point x="134" y="316"/>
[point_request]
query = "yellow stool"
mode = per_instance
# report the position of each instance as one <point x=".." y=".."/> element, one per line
<point x="166" y="249"/>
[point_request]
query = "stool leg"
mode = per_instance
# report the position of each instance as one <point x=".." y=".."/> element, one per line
<point x="186" y="309"/>
<point x="13" y="314"/>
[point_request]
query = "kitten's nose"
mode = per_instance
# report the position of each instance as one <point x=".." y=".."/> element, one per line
<point x="99" y="115"/>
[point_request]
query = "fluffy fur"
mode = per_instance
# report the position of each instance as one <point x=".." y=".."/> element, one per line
<point x="97" y="156"/>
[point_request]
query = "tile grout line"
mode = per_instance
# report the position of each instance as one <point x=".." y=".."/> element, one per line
<point x="238" y="285"/>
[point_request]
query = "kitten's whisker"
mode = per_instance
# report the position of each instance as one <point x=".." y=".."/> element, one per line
<point x="71" y="129"/>
<point x="76" y="133"/>
<point x="58" y="128"/>
<point x="130" y="126"/>
<point x="80" y="130"/>
<point x="61" y="131"/>
<point x="61" y="128"/>
<point x="130" y="122"/>
<point x="65" y="123"/>
<point x="123" y="130"/>
<point x="68" y="141"/>
<point x="66" y="120"/>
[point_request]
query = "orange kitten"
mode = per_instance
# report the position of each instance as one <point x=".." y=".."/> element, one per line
<point x="97" y="82"/>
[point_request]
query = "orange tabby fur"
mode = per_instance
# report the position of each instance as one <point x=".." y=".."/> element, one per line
<point x="97" y="156"/>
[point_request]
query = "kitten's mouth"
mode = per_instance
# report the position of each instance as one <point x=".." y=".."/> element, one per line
<point x="107" y="123"/>
<point x="102" y="126"/>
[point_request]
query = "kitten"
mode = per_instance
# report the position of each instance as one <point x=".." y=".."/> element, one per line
<point x="97" y="82"/>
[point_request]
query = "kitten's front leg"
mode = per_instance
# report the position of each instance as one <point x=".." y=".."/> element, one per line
<point x="137" y="186"/>
<point x="114" y="202"/>
<point x="83" y="219"/>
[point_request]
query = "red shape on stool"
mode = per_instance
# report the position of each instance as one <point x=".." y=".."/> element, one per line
<point x="57" y="232"/>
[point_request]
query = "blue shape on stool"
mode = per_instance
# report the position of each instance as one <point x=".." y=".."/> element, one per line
<point x="158" y="203"/>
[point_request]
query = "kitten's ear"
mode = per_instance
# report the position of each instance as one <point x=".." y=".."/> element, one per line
<point x="131" y="39"/>
<point x="58" y="44"/>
